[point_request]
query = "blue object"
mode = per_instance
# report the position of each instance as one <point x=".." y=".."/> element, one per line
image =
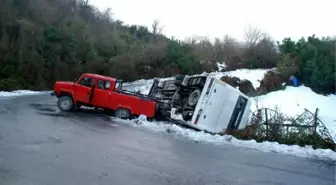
<point x="294" y="81"/>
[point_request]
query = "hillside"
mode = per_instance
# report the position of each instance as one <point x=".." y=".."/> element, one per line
<point x="42" y="41"/>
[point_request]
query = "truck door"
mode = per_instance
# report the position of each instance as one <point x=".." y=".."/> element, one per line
<point x="102" y="94"/>
<point x="83" y="89"/>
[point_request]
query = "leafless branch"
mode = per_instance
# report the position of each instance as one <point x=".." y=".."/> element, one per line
<point x="253" y="35"/>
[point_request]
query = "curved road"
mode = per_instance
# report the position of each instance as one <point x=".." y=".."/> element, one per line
<point x="40" y="146"/>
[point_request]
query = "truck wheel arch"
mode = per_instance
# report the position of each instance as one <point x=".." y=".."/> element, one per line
<point x="65" y="94"/>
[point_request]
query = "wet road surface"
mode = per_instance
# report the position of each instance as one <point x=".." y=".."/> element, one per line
<point x="39" y="146"/>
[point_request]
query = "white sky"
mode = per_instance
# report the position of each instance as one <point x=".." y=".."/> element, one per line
<point x="215" y="18"/>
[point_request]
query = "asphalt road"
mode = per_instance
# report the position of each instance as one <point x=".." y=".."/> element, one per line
<point x="39" y="146"/>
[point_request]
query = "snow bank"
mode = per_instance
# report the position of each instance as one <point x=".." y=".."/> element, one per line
<point x="293" y="100"/>
<point x="144" y="81"/>
<point x="142" y="86"/>
<point x="254" y="76"/>
<point x="178" y="131"/>
<point x="141" y="81"/>
<point x="20" y="93"/>
<point x="144" y="89"/>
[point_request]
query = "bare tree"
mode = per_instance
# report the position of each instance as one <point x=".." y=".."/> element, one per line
<point x="230" y="48"/>
<point x="218" y="50"/>
<point x="157" y="27"/>
<point x="253" y="35"/>
<point x="191" y="40"/>
<point x="206" y="48"/>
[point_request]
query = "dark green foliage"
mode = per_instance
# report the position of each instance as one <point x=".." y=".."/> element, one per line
<point x="42" y="41"/>
<point x="316" y="58"/>
<point x="186" y="62"/>
<point x="287" y="66"/>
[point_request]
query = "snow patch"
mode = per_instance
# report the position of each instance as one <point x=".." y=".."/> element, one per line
<point x="20" y="93"/>
<point x="144" y="81"/>
<point x="254" y="76"/>
<point x="294" y="150"/>
<point x="141" y="81"/>
<point x="293" y="100"/>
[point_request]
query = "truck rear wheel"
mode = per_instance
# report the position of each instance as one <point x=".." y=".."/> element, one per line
<point x="122" y="113"/>
<point x="65" y="103"/>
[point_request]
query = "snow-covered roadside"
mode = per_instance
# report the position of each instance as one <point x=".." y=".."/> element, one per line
<point x="21" y="93"/>
<point x="178" y="131"/>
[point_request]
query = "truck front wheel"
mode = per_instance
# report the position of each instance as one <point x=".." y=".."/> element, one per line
<point x="65" y="103"/>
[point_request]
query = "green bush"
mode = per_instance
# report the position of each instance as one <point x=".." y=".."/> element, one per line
<point x="287" y="66"/>
<point x="10" y="84"/>
<point x="316" y="66"/>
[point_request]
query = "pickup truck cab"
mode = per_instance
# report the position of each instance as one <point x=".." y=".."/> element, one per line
<point x="102" y="92"/>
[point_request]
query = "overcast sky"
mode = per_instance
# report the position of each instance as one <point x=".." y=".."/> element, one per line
<point x="215" y="18"/>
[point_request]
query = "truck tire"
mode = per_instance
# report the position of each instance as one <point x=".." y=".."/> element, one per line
<point x="193" y="97"/>
<point x="65" y="103"/>
<point x="122" y="113"/>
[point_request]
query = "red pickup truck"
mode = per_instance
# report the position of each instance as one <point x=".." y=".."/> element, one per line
<point x="103" y="92"/>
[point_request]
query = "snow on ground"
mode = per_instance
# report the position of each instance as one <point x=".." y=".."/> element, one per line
<point x="293" y="100"/>
<point x="144" y="81"/>
<point x="143" y="86"/>
<point x="177" y="131"/>
<point x="20" y="93"/>
<point x="141" y="81"/>
<point x="144" y="89"/>
<point x="254" y="76"/>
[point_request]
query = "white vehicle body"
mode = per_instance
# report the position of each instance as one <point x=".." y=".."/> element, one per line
<point x="220" y="107"/>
